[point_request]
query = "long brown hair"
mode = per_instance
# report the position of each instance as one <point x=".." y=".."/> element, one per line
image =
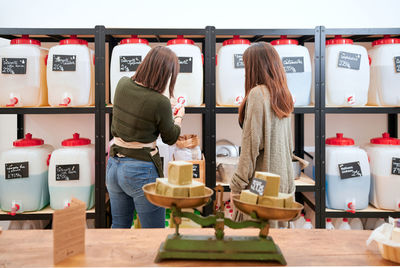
<point x="159" y="65"/>
<point x="263" y="66"/>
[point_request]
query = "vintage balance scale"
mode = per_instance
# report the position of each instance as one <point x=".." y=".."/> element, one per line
<point x="218" y="247"/>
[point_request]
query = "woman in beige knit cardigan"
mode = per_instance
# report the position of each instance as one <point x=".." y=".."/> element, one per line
<point x="264" y="117"/>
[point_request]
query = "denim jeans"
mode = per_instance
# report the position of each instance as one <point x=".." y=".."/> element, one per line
<point x="125" y="179"/>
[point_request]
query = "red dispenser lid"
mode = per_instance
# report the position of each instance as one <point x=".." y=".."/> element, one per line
<point x="28" y="141"/>
<point x="386" y="41"/>
<point x="134" y="40"/>
<point x="25" y="40"/>
<point x="385" y="140"/>
<point x="284" y="41"/>
<point x="236" y="41"/>
<point x="180" y="41"/>
<point x="73" y="41"/>
<point x="339" y="140"/>
<point x="338" y="40"/>
<point x="75" y="141"/>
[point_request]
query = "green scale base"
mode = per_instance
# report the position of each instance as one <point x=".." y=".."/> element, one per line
<point x="230" y="248"/>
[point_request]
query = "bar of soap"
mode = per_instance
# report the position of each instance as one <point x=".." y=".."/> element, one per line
<point x="248" y="197"/>
<point x="196" y="189"/>
<point x="272" y="185"/>
<point x="396" y="235"/>
<point x="163" y="187"/>
<point x="180" y="172"/>
<point x="287" y="199"/>
<point x="271" y="201"/>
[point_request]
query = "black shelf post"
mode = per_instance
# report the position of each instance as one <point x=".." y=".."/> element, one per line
<point x="209" y="118"/>
<point x="393" y="125"/>
<point x="20" y="126"/>
<point x="299" y="135"/>
<point x="100" y="129"/>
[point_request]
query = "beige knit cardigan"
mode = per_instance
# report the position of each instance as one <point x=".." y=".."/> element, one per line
<point x="266" y="144"/>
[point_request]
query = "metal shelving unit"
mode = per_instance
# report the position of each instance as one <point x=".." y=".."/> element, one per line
<point x="357" y="35"/>
<point x="55" y="35"/>
<point x="314" y="194"/>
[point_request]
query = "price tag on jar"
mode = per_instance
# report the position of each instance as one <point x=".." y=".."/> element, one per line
<point x="349" y="60"/>
<point x="350" y="170"/>
<point x="397" y="64"/>
<point x="395" y="166"/>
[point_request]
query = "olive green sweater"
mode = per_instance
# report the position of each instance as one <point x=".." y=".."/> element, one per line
<point x="140" y="114"/>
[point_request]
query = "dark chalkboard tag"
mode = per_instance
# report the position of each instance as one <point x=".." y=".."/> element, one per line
<point x="67" y="172"/>
<point x="350" y="170"/>
<point x="196" y="171"/>
<point x="185" y="64"/>
<point x="64" y="63"/>
<point x="13" y="65"/>
<point x="257" y="186"/>
<point x="395" y="166"/>
<point x="129" y="63"/>
<point x="238" y="61"/>
<point x="397" y="64"/>
<point x="349" y="60"/>
<point x="18" y="170"/>
<point x="293" y="64"/>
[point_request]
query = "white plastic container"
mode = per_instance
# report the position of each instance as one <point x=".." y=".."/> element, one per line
<point x="307" y="224"/>
<point x="356" y="224"/>
<point x="189" y="83"/>
<point x="70" y="73"/>
<point x="23" y="74"/>
<point x="347" y="73"/>
<point x="385" y="72"/>
<point x="329" y="225"/>
<point x="71" y="173"/>
<point x="384" y="156"/>
<point x="23" y="175"/>
<point x="347" y="175"/>
<point x="300" y="222"/>
<point x="125" y="59"/>
<point x="345" y="225"/>
<point x="230" y="73"/>
<point x="297" y="64"/>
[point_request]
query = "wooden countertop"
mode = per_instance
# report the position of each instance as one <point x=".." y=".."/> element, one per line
<point x="138" y="247"/>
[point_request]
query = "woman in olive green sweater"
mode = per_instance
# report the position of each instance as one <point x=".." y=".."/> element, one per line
<point x="141" y="112"/>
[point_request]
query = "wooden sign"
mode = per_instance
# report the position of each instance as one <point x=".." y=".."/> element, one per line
<point x="69" y="225"/>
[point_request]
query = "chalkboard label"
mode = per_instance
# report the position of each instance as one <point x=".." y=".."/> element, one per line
<point x="238" y="61"/>
<point x="196" y="171"/>
<point x="397" y="64"/>
<point x="67" y="172"/>
<point x="257" y="186"/>
<point x="349" y="60"/>
<point x="185" y="64"/>
<point x="350" y="170"/>
<point x="13" y="65"/>
<point x="17" y="170"/>
<point x="395" y="166"/>
<point x="64" y="63"/>
<point x="129" y="63"/>
<point x="293" y="64"/>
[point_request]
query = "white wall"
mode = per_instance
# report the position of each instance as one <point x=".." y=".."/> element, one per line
<point x="186" y="14"/>
<point x="196" y="14"/>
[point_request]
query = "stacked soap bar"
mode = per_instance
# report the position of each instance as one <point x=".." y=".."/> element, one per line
<point x="271" y="196"/>
<point x="179" y="182"/>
